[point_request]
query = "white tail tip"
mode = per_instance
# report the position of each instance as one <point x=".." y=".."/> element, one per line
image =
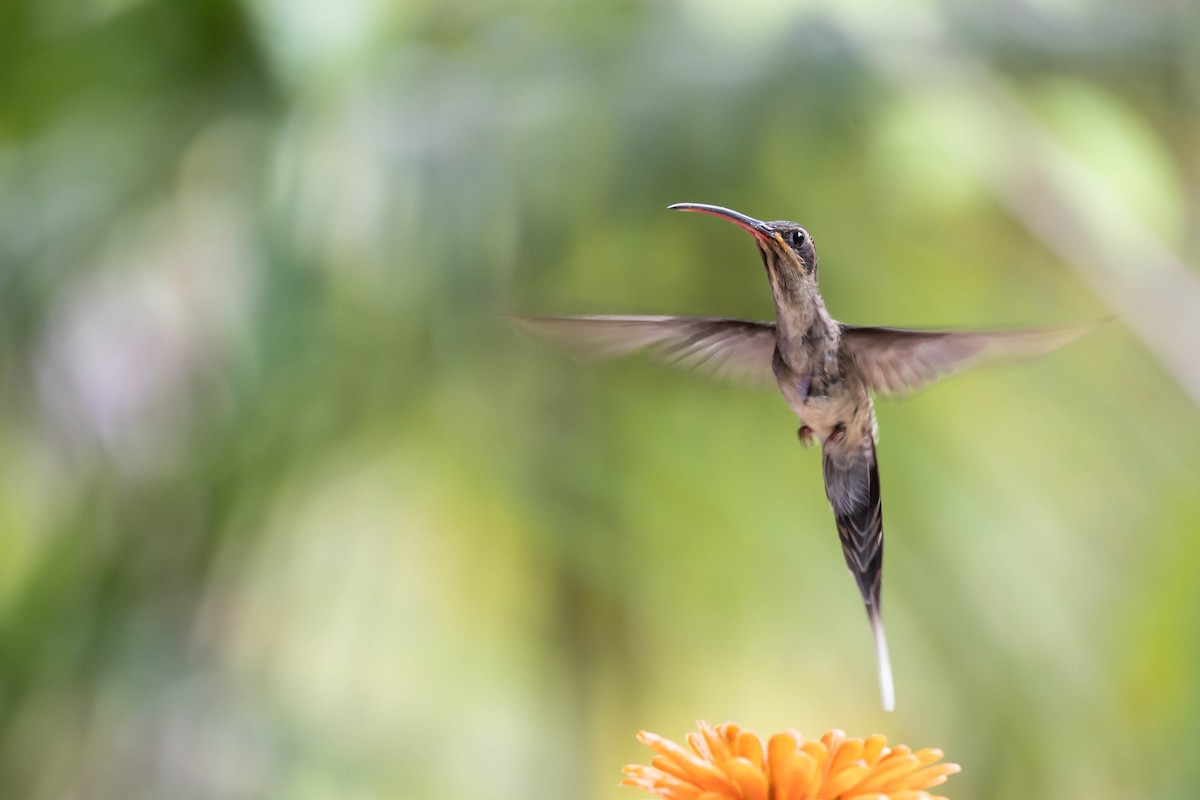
<point x="887" y="689"/>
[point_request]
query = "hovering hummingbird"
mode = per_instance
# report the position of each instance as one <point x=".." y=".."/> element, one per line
<point x="826" y="370"/>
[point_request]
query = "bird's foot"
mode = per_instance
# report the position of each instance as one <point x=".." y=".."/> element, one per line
<point x="838" y="432"/>
<point x="806" y="436"/>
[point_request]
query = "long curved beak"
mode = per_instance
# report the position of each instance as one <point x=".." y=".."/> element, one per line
<point x="756" y="228"/>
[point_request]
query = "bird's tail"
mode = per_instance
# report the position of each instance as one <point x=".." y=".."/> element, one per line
<point x="852" y="485"/>
<point x="887" y="689"/>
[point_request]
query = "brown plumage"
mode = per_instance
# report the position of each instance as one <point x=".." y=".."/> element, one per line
<point x="826" y="370"/>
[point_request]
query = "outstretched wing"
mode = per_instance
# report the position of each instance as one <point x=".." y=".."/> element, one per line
<point x="852" y="486"/>
<point x="895" y="361"/>
<point x="726" y="348"/>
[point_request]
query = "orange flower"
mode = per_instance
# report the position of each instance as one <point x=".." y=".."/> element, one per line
<point x="732" y="764"/>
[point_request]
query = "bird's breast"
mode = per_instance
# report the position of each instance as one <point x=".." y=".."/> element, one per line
<point x="828" y="407"/>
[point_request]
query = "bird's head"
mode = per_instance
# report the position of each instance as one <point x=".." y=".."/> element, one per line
<point x="787" y="249"/>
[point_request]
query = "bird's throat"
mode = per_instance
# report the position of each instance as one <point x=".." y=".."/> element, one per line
<point x="805" y="332"/>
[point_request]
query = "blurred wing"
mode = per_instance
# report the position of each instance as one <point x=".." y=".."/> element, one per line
<point x="726" y="348"/>
<point x="894" y="360"/>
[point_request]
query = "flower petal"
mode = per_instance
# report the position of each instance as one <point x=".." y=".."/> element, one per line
<point x="873" y="748"/>
<point x="833" y="739"/>
<point x="749" y="747"/>
<point x="818" y="753"/>
<point x="698" y="772"/>
<point x="847" y="754"/>
<point x="781" y="765"/>
<point x="932" y="776"/>
<point x="837" y="783"/>
<point x="749" y="778"/>
<point x="888" y="774"/>
<point x="666" y="765"/>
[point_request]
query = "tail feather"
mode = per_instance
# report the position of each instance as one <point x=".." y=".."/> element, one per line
<point x="887" y="688"/>
<point x="852" y="486"/>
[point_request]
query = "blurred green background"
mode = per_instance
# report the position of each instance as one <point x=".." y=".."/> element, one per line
<point x="286" y="511"/>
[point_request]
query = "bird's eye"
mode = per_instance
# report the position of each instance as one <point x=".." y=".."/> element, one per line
<point x="797" y="237"/>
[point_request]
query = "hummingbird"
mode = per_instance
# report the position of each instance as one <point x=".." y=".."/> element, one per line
<point x="826" y="370"/>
